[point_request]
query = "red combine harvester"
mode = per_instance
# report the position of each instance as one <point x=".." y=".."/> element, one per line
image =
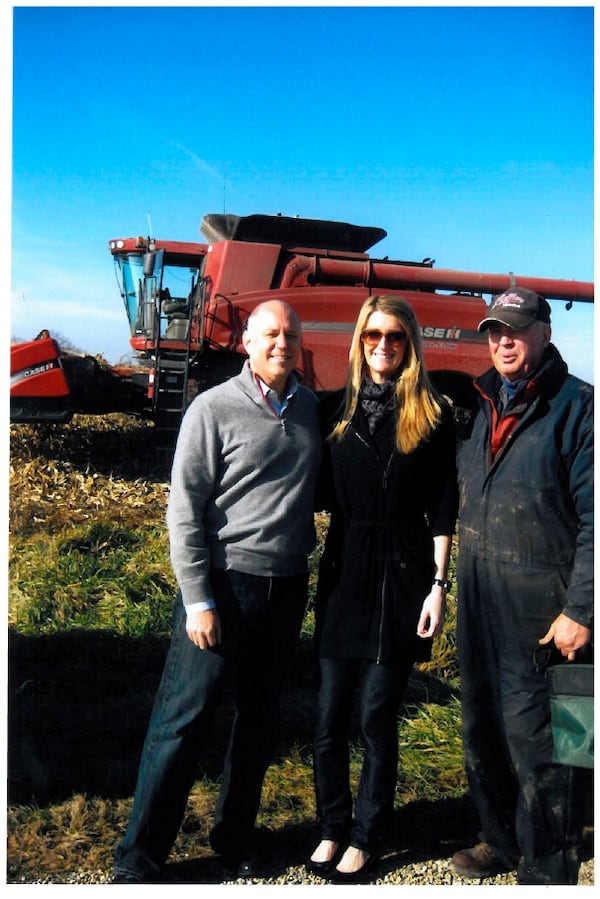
<point x="187" y="304"/>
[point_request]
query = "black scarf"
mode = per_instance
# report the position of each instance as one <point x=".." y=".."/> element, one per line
<point x="376" y="401"/>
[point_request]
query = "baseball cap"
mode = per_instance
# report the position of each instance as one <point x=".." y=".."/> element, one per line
<point x="517" y="307"/>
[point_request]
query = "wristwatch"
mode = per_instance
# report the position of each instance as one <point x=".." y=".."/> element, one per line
<point x="445" y="585"/>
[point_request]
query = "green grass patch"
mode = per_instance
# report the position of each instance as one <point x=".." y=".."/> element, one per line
<point x="94" y="576"/>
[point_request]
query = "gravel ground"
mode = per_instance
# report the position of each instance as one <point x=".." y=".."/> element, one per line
<point x="426" y="873"/>
<point x="435" y="872"/>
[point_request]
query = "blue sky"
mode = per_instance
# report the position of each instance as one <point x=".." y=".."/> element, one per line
<point x="465" y="132"/>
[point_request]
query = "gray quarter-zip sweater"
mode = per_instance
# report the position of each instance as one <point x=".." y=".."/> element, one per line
<point x="242" y="486"/>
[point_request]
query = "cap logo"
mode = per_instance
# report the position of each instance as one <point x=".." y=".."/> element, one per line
<point x="508" y="299"/>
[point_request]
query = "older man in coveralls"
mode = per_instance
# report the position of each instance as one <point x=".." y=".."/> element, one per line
<point x="525" y="577"/>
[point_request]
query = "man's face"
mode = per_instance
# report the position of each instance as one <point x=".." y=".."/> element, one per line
<point x="517" y="352"/>
<point x="272" y="341"/>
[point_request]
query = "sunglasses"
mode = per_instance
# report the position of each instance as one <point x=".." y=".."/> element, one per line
<point x="372" y="337"/>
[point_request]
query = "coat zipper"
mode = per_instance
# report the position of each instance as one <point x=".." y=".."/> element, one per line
<point x="386" y="470"/>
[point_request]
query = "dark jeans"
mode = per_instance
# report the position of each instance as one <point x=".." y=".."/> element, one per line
<point x="261" y="619"/>
<point x="380" y="689"/>
<point x="530" y="809"/>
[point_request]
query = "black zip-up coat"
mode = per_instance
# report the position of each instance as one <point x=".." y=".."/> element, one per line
<point x="532" y="506"/>
<point x="377" y="566"/>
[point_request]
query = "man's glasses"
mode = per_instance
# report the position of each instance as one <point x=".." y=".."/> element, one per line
<point x="372" y="337"/>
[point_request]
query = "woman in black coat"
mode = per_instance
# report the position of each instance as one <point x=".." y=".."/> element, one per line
<point x="383" y="574"/>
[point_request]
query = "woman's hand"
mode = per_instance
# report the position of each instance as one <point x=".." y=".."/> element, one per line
<point x="433" y="613"/>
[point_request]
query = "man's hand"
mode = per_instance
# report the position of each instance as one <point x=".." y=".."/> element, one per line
<point x="204" y="628"/>
<point x="568" y="636"/>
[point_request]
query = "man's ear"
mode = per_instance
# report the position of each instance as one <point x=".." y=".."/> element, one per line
<point x="246" y="339"/>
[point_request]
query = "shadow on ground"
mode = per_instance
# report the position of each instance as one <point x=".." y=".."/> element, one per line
<point x="79" y="704"/>
<point x="420" y="831"/>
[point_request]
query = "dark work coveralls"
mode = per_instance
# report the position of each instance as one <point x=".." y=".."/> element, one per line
<point x="525" y="556"/>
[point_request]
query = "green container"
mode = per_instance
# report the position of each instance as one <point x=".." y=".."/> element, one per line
<point x="572" y="713"/>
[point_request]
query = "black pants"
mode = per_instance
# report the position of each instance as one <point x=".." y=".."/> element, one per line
<point x="380" y="689"/>
<point x="529" y="808"/>
<point x="261" y="619"/>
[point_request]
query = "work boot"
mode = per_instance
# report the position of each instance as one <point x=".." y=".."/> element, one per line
<point x="477" y="862"/>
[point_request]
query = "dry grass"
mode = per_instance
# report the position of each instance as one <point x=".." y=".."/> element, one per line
<point x="104" y="467"/>
<point x="80" y="828"/>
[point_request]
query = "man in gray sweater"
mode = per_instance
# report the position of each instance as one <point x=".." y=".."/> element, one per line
<point x="241" y="525"/>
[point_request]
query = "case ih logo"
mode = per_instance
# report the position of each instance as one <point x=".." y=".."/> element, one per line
<point x="441" y="333"/>
<point x="508" y="299"/>
<point x="33" y="370"/>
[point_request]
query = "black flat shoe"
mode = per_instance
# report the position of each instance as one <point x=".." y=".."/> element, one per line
<point x="359" y="876"/>
<point x="322" y="869"/>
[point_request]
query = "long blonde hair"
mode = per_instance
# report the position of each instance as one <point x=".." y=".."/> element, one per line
<point x="417" y="402"/>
